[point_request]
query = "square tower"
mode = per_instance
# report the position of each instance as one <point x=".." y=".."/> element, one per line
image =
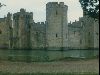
<point x="21" y="29"/>
<point x="57" y="25"/>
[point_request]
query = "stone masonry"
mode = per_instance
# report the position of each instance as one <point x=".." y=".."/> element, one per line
<point x="19" y="31"/>
<point x="5" y="31"/>
<point x="57" y="25"/>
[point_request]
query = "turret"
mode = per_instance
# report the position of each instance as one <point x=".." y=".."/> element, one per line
<point x="22" y="10"/>
<point x="22" y="25"/>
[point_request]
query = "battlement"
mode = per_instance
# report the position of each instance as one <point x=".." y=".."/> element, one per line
<point x="22" y="10"/>
<point x="23" y="13"/>
<point x="61" y="3"/>
<point x="75" y="24"/>
<point x="9" y="15"/>
<point x="70" y="23"/>
<point x="80" y="18"/>
<point x="51" y="3"/>
<point x="55" y="4"/>
<point x="40" y="23"/>
<point x="31" y="13"/>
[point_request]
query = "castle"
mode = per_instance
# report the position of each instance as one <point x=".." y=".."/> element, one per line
<point x="19" y="31"/>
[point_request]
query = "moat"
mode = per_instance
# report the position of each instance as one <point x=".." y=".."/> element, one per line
<point x="43" y="55"/>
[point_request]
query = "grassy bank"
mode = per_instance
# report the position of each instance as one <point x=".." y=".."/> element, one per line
<point x="7" y="73"/>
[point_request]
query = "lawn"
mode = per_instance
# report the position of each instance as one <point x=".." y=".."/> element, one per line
<point x="1" y="73"/>
<point x="63" y="67"/>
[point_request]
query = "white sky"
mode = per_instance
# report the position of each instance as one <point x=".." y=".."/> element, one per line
<point x="38" y="7"/>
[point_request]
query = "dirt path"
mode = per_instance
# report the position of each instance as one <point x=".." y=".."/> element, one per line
<point x="50" y="67"/>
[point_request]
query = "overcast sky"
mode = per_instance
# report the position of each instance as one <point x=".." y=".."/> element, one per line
<point x="38" y="7"/>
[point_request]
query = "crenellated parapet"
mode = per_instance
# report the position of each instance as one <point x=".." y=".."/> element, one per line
<point x="55" y="4"/>
<point x="40" y="23"/>
<point x="23" y="14"/>
<point x="39" y="26"/>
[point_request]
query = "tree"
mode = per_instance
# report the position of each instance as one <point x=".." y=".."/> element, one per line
<point x="91" y="7"/>
<point x="2" y="5"/>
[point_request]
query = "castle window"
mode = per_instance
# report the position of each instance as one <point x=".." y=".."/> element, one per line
<point x="37" y="36"/>
<point x="66" y="35"/>
<point x="82" y="23"/>
<point x="56" y="13"/>
<point x="89" y="41"/>
<point x="56" y="35"/>
<point x="80" y="41"/>
<point x="74" y="32"/>
<point x="89" y="33"/>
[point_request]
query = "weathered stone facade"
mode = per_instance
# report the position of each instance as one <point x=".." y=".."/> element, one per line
<point x="57" y="27"/>
<point x="74" y="33"/>
<point x="6" y="31"/>
<point x="38" y="35"/>
<point x="84" y="33"/>
<point x="55" y="33"/>
<point x="21" y="29"/>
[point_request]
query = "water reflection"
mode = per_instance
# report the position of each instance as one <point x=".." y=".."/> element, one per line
<point x="42" y="55"/>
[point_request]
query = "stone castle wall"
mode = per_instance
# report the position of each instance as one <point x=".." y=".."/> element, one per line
<point x="96" y="34"/>
<point x="5" y="31"/>
<point x="84" y="33"/>
<point x="55" y="33"/>
<point x="74" y="31"/>
<point x="38" y="35"/>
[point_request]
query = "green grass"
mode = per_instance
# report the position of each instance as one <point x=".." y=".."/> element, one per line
<point x="75" y="59"/>
<point x="54" y="60"/>
<point x="7" y="73"/>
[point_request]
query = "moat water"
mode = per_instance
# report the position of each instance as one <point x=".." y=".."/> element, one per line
<point x="42" y="55"/>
